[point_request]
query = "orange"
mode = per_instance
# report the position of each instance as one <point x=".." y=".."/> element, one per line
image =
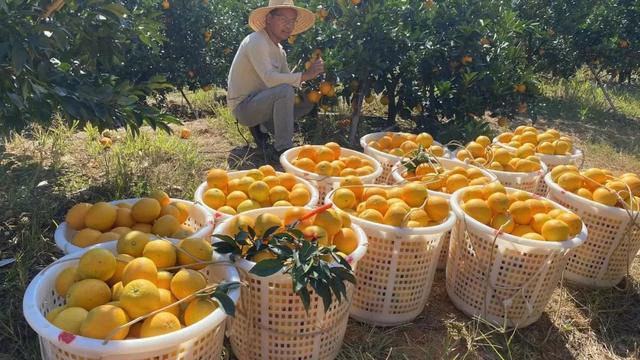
<point x="573" y="221"/>
<point x="166" y="225"/>
<point x="346" y="241"/>
<point x="194" y="250"/>
<point x="146" y="210"/>
<point x="538" y="220"/>
<point x="395" y="216"/>
<point x="424" y="139"/>
<point x="330" y="221"/>
<point x="287" y="180"/>
<point x="344" y="198"/>
<point x="86" y="237"/>
<point x="161" y="197"/>
<point x="520" y="212"/>
<point x="555" y="230"/>
<point x="491" y="188"/>
<point x="498" y="203"/>
<point x="504" y="222"/>
<point x="161" y="252"/>
<point x="139" y="268"/>
<point x="214" y="198"/>
<point x="186" y="282"/>
<point x="259" y="191"/>
<point x="354" y="184"/>
<point x="456" y="182"/>
<point x="536" y="206"/>
<point x="65" y="279"/>
<point x="437" y="208"/>
<point x="123" y="218"/>
<point x="159" y="324"/>
<point x="96" y="264"/>
<point x="267" y="170"/>
<point x="325" y="154"/>
<point x="88" y="293"/>
<point x="414" y="194"/>
<point x="472" y="193"/>
<point x="478" y="209"/>
<point x="521" y="230"/>
<point x="308" y="152"/>
<point x="337" y="150"/>
<point x="101" y="216"/>
<point x="76" y="215"/>
<point x="378" y="203"/>
<point x="372" y="215"/>
<point x="317" y="233"/>
<point x="217" y="178"/>
<point x="198" y="309"/>
<point x="299" y="197"/>
<point x="235" y="198"/>
<point x="102" y="320"/>
<point x="605" y="196"/>
<point x="133" y="243"/>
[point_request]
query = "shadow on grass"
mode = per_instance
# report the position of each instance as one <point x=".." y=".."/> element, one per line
<point x="589" y="121"/>
<point x="614" y="315"/>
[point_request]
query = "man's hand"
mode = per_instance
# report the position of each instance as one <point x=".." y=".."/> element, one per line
<point x="316" y="68"/>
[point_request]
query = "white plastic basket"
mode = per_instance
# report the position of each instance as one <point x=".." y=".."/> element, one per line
<point x="387" y="161"/>
<point x="220" y="217"/>
<point x="518" y="180"/>
<point x="507" y="282"/>
<point x="396" y="274"/>
<point x="199" y="219"/>
<point x="607" y="255"/>
<point x="325" y="184"/>
<point x="397" y="171"/>
<point x="271" y="322"/>
<point x="202" y="340"/>
<point x="576" y="158"/>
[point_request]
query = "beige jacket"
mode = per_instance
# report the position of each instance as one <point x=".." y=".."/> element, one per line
<point x="259" y="64"/>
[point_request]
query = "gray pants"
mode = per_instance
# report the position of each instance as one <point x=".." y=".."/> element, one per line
<point x="275" y="109"/>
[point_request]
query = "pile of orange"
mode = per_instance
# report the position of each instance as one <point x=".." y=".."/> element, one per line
<point x="520" y="214"/>
<point x="258" y="188"/>
<point x="548" y="142"/>
<point x="105" y="291"/>
<point x="327" y="160"/>
<point x="409" y="205"/>
<point x="600" y="185"/>
<point x="403" y="144"/>
<point x="436" y="178"/>
<point x="495" y="157"/>
<point x="328" y="228"/>
<point x="102" y="222"/>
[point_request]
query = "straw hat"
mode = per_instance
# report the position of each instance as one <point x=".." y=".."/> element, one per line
<point x="305" y="20"/>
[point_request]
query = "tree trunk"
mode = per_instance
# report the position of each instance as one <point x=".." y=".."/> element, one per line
<point x="392" y="110"/>
<point x="357" y="111"/>
<point x="601" y="86"/>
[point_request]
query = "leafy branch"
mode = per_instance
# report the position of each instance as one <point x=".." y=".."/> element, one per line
<point x="310" y="265"/>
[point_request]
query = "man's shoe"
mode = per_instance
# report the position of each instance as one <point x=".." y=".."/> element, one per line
<point x="259" y="137"/>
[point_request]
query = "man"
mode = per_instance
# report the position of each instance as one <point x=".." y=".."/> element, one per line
<point x="261" y="92"/>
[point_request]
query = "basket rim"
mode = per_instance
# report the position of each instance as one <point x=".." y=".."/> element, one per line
<point x="427" y="230"/>
<point x="577" y="154"/>
<point x="612" y="210"/>
<point x="364" y="143"/>
<point x="68" y="247"/>
<point x="204" y="186"/>
<point x="544" y="169"/>
<point x="38" y="322"/>
<point x="557" y="245"/>
<point x="399" y="177"/>
<point x="246" y="265"/>
<point x="377" y="171"/>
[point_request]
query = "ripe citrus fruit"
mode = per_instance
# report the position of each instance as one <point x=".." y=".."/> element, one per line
<point x="101" y="216"/>
<point x="478" y="209"/>
<point x="299" y="197"/>
<point x="146" y="210"/>
<point x="133" y="243"/>
<point x="165" y="226"/>
<point x="96" y="264"/>
<point x="102" y="320"/>
<point x="140" y="297"/>
<point x="437" y="208"/>
<point x="164" y="280"/>
<point x="161" y="197"/>
<point x="167" y="298"/>
<point x="186" y="282"/>
<point x="198" y="309"/>
<point x="76" y="215"/>
<point x="194" y="250"/>
<point x="217" y="178"/>
<point x="88" y="293"/>
<point x="555" y="230"/>
<point x="316" y="233"/>
<point x="139" y="268"/>
<point x="214" y="198"/>
<point x="65" y="279"/>
<point x="520" y="212"/>
<point x="161" y="252"/>
<point x="70" y="319"/>
<point x="346" y="240"/>
<point x="330" y="221"/>
<point x="159" y="324"/>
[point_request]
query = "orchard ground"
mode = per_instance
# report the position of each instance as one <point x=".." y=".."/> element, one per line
<point x="45" y="171"/>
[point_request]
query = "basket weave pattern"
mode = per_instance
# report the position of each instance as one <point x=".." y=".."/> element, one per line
<point x="271" y="322"/>
<point x="521" y="280"/>
<point x="604" y="259"/>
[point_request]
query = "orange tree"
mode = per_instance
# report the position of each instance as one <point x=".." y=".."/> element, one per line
<point x="601" y="34"/>
<point x="441" y="64"/>
<point x="66" y="58"/>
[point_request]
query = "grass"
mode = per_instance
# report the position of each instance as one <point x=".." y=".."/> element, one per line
<point x="46" y="170"/>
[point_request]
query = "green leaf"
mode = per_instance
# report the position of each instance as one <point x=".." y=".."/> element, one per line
<point x="116" y="9"/>
<point x="323" y="291"/>
<point x="225" y="301"/>
<point x="266" y="267"/>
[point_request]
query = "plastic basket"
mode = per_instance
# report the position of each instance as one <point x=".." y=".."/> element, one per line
<point x="325" y="184"/>
<point x="387" y="161"/>
<point x="506" y="280"/>
<point x="202" y="340"/>
<point x="518" y="180"/>
<point x="271" y="322"/>
<point x="607" y="255"/>
<point x="576" y="158"/>
<point x="396" y="274"/>
<point x="220" y="217"/>
<point x="447" y="164"/>
<point x="199" y="219"/>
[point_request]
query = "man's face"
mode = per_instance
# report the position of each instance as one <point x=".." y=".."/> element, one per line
<point x="280" y="23"/>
